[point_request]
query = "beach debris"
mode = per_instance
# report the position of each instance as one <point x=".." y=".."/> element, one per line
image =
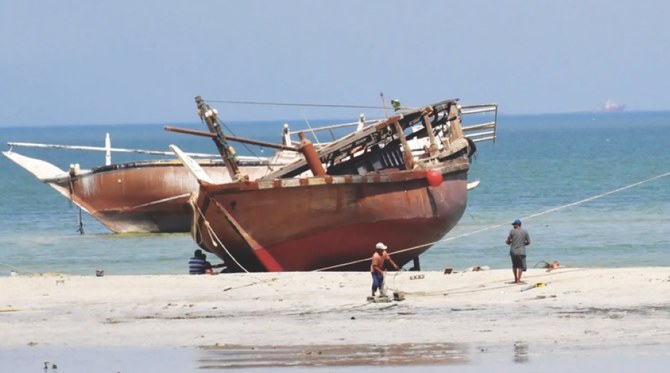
<point x="399" y="296"/>
<point x="379" y="299"/>
<point x="520" y="352"/>
<point x="448" y="270"/>
<point x="535" y="285"/>
<point x="478" y="268"/>
<point x="549" y="266"/>
<point x="99" y="273"/>
<point x="46" y="366"/>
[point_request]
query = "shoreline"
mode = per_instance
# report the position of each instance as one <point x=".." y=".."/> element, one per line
<point x="559" y="311"/>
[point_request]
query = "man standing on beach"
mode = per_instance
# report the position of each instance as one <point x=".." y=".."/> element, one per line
<point x="518" y="239"/>
<point x="377" y="268"/>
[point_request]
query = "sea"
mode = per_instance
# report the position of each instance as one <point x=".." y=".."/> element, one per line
<point x="592" y="190"/>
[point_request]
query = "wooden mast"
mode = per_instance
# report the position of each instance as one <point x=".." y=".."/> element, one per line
<point x="227" y="152"/>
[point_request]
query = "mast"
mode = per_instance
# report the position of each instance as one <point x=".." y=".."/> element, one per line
<point x="227" y="152"/>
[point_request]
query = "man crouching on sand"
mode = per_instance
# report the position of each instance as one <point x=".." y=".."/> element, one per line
<point x="517" y="240"/>
<point x="377" y="268"/>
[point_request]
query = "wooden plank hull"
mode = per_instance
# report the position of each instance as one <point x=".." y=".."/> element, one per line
<point x="328" y="223"/>
<point x="135" y="197"/>
<point x="149" y="197"/>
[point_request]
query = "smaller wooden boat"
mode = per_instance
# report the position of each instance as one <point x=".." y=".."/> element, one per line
<point x="143" y="197"/>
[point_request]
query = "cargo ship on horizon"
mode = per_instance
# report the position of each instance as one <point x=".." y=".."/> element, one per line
<point x="611" y="107"/>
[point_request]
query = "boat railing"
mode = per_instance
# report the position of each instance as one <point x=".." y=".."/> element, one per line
<point x="480" y="131"/>
<point x="330" y="128"/>
<point x="110" y="150"/>
<point x="477" y="132"/>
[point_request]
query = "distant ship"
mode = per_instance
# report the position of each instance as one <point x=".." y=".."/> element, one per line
<point x="611" y="106"/>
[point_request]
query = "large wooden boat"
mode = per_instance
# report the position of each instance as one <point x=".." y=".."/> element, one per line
<point x="134" y="197"/>
<point x="402" y="180"/>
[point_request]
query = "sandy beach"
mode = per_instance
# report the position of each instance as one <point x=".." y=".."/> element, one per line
<point x="557" y="311"/>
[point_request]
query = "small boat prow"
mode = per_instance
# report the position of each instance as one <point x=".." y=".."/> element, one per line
<point x="42" y="170"/>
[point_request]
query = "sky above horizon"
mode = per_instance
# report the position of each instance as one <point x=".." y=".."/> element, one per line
<point x="89" y="62"/>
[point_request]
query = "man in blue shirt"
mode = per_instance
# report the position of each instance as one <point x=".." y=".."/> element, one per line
<point x="197" y="265"/>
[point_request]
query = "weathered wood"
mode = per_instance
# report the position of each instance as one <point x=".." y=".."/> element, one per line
<point x="243" y="140"/>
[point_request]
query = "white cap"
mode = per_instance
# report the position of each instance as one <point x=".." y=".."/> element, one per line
<point x="381" y="246"/>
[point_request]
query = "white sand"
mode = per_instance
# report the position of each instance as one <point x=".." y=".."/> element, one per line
<point x="575" y="307"/>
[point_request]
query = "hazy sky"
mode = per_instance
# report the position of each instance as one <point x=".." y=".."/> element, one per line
<point x="136" y="61"/>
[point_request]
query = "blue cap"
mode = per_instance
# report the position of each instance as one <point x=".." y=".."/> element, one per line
<point x="517" y="222"/>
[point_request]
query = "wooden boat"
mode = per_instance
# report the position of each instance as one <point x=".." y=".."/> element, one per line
<point x="401" y="180"/>
<point x="135" y="197"/>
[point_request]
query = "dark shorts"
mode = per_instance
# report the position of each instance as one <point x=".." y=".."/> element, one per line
<point x="519" y="261"/>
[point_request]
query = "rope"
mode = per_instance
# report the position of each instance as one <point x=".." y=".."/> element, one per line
<point x="212" y="234"/>
<point x="81" y="223"/>
<point x="484" y="287"/>
<point x="16" y="269"/>
<point x="368" y="259"/>
<point x="394" y="288"/>
<point x="80" y="227"/>
<point x="246" y="146"/>
<point x="532" y="216"/>
<point x="296" y="104"/>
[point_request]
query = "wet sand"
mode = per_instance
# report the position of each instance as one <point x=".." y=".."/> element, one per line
<point x="463" y="319"/>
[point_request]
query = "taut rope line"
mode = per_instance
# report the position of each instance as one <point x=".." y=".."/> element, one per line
<point x="633" y="185"/>
<point x="532" y="216"/>
<point x="296" y="104"/>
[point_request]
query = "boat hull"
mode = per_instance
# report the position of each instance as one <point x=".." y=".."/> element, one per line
<point x="328" y="223"/>
<point x="148" y="197"/>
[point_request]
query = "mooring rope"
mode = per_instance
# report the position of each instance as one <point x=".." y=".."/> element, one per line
<point x="554" y="209"/>
<point x="296" y="104"/>
<point x="532" y="216"/>
<point x="16" y="269"/>
<point x="212" y="234"/>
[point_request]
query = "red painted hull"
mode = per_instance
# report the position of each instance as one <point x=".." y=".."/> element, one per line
<point x="328" y="223"/>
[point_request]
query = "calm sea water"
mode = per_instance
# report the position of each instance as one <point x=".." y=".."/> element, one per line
<point x="561" y="174"/>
